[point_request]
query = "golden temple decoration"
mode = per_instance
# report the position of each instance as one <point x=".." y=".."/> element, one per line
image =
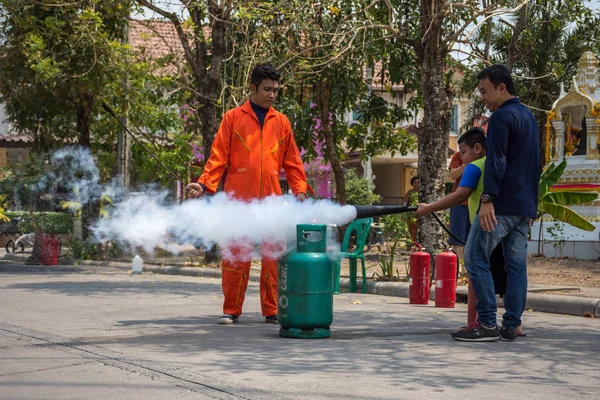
<point x="596" y="114"/>
<point x="549" y="118"/>
<point x="569" y="144"/>
<point x="596" y="110"/>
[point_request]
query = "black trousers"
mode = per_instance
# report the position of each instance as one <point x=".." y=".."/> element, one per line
<point x="498" y="271"/>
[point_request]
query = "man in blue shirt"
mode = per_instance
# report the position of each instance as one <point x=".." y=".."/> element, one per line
<point x="509" y="200"/>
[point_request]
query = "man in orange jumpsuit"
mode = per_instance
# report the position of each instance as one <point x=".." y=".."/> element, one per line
<point x="254" y="143"/>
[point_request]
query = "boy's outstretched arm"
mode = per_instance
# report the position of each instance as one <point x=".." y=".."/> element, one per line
<point x="453" y="199"/>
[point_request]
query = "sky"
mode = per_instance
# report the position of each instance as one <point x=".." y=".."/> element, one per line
<point x="169" y="5"/>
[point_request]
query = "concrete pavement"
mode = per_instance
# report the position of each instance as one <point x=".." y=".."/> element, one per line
<point x="576" y="301"/>
<point x="97" y="332"/>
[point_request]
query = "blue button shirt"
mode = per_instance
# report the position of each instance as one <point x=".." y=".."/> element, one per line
<point x="512" y="168"/>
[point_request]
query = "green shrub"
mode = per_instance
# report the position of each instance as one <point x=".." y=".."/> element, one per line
<point x="359" y="191"/>
<point x="395" y="233"/>
<point x="114" y="250"/>
<point x="50" y="222"/>
<point x="78" y="249"/>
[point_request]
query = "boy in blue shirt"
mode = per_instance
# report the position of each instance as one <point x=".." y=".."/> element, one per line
<point x="472" y="147"/>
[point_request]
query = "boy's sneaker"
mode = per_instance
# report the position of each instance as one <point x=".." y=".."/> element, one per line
<point x="477" y="332"/>
<point x="508" y="333"/>
<point x="271" y="319"/>
<point x="227" y="319"/>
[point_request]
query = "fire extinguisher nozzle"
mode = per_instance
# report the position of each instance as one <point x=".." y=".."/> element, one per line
<point x="378" y="211"/>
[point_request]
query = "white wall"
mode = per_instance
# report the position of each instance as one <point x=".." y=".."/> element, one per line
<point x="577" y="250"/>
<point x="571" y="242"/>
<point x="388" y="180"/>
<point x="4" y="126"/>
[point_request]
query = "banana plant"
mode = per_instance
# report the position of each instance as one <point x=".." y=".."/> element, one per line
<point x="555" y="203"/>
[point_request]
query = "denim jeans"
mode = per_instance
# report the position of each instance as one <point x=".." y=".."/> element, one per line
<point x="512" y="232"/>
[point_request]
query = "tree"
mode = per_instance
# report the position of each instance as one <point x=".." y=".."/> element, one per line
<point x="202" y="37"/>
<point x="330" y="56"/>
<point x="60" y="60"/>
<point x="56" y="61"/>
<point x="541" y="44"/>
<point x="428" y="32"/>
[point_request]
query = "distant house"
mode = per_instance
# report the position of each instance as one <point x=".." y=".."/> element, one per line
<point x="14" y="147"/>
<point x="392" y="174"/>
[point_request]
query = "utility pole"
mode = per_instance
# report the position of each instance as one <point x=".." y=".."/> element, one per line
<point x="124" y="141"/>
<point x="367" y="166"/>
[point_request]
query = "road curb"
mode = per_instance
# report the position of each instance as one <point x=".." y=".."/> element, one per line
<point x="558" y="304"/>
<point x="548" y="303"/>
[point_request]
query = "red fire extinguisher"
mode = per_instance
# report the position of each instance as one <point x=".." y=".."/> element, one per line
<point x="418" y="280"/>
<point x="50" y="250"/>
<point x="445" y="279"/>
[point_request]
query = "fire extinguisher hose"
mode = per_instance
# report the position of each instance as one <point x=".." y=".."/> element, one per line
<point x="446" y="229"/>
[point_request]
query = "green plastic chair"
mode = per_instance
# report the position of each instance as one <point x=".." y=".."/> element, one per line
<point x="361" y="227"/>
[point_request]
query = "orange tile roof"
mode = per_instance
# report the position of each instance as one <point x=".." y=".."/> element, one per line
<point x="14" y="137"/>
<point x="154" y="39"/>
<point x="158" y="38"/>
<point x="381" y="80"/>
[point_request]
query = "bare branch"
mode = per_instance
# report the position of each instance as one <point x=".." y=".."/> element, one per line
<point x="451" y="6"/>
<point x="512" y="46"/>
<point x="471" y="54"/>
<point x="391" y="12"/>
<point x="489" y="13"/>
<point x="511" y="26"/>
<point x="533" y="78"/>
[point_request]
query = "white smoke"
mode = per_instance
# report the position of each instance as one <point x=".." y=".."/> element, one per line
<point x="149" y="221"/>
<point x="73" y="171"/>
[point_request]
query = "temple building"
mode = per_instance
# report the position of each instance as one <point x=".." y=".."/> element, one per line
<point x="573" y="134"/>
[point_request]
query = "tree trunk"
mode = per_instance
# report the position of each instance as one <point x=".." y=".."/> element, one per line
<point x="210" y="81"/>
<point x="84" y="110"/>
<point x="322" y="91"/>
<point x="513" y="50"/>
<point x="210" y="125"/>
<point x="434" y="133"/>
<point x="36" y="252"/>
<point x="490" y="31"/>
<point x="90" y="212"/>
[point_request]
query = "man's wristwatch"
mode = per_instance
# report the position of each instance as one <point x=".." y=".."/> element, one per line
<point x="487" y="198"/>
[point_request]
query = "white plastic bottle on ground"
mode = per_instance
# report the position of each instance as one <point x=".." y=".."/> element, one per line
<point x="137" y="265"/>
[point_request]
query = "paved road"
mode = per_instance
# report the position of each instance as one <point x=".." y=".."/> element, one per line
<point x="99" y="333"/>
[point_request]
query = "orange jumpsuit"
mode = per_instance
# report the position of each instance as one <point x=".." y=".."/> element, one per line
<point x="254" y="157"/>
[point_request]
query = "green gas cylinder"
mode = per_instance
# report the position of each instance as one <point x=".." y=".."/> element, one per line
<point x="305" y="289"/>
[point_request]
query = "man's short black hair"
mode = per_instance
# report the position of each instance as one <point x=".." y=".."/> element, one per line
<point x="413" y="179"/>
<point x="498" y="74"/>
<point x="472" y="137"/>
<point x="262" y="72"/>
